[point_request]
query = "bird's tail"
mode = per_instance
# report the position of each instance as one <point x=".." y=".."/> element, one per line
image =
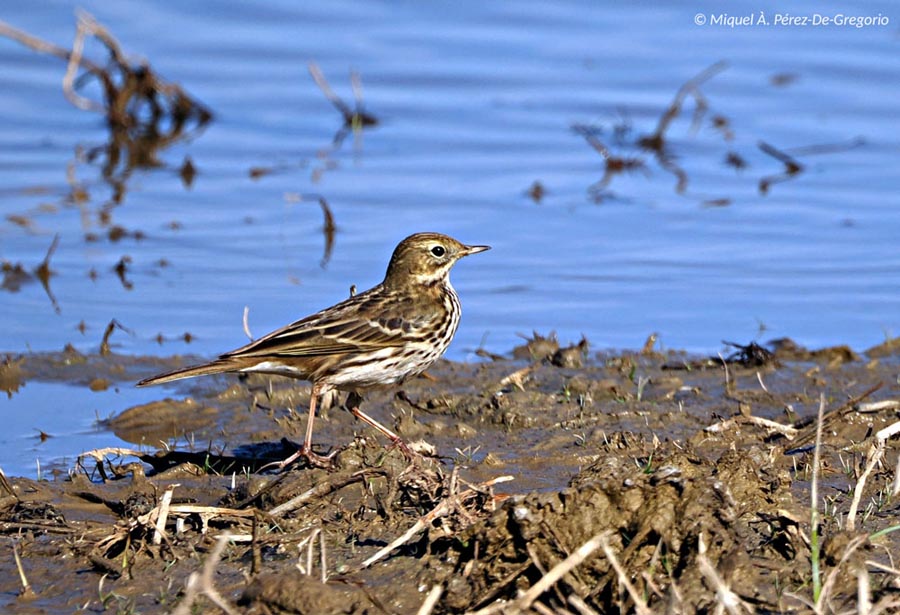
<point x="214" y="367"/>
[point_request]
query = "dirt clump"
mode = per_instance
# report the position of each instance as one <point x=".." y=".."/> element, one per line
<point x="655" y="518"/>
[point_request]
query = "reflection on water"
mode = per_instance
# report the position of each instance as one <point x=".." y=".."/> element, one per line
<point x="655" y="143"/>
<point x="734" y="197"/>
<point x="466" y="141"/>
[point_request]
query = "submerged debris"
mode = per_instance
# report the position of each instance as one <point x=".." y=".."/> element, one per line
<point x="355" y="118"/>
<point x="792" y="167"/>
<point x="11" y="377"/>
<point x="144" y="113"/>
<point x="15" y="275"/>
<point x="749" y="355"/>
<point x="134" y="96"/>
<point x="655" y="143"/>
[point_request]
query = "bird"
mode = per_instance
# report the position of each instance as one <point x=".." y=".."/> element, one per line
<point x="393" y="331"/>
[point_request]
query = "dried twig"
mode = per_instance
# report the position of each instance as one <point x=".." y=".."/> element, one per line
<point x="895" y="489"/>
<point x="875" y="456"/>
<point x="430" y="600"/>
<point x="246" y="323"/>
<point x="202" y="583"/>
<point x="128" y="90"/>
<point x="863" y="592"/>
<point x="814" y="505"/>
<point x="26" y="592"/>
<point x="163" y="514"/>
<point x="690" y="87"/>
<point x="446" y="506"/>
<point x="832" y="578"/>
<point x="640" y="605"/>
<point x="787" y="431"/>
<point x="353" y="118"/>
<point x="848" y="406"/>
<point x="727" y="599"/>
<point x="518" y="377"/>
<point x="526" y="600"/>
<point x="728" y="385"/>
<point x="878" y="406"/>
<point x="323" y="489"/>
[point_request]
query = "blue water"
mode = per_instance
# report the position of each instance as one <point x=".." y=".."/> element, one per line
<point x="476" y="102"/>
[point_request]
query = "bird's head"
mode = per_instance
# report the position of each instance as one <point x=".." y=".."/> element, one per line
<point x="426" y="258"/>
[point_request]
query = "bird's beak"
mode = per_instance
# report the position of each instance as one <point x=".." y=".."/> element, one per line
<point x="473" y="250"/>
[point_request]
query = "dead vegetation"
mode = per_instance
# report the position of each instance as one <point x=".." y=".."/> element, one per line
<point x="15" y="274"/>
<point x="774" y="490"/>
<point x="144" y="113"/>
<point x="657" y="145"/>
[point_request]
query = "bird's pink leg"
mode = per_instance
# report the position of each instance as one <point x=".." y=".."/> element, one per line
<point x="353" y="402"/>
<point x="306" y="450"/>
<point x="310" y="419"/>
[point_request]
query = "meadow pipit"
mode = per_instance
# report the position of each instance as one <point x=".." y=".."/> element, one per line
<point x="390" y="332"/>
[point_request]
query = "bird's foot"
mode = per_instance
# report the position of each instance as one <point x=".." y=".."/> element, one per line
<point x="315" y="460"/>
<point x="404" y="448"/>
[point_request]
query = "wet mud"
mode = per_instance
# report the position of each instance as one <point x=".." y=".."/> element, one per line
<point x="550" y="479"/>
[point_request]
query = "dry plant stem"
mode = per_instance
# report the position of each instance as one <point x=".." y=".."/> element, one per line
<point x="849" y="406"/>
<point x="323" y="561"/>
<point x="878" y="406"/>
<point x="726" y="599"/>
<point x="863" y="593"/>
<point x="558" y="571"/>
<point x="246" y="323"/>
<point x="32" y="42"/>
<point x="787" y="431"/>
<point x="6" y="486"/>
<point x="163" y="516"/>
<point x="442" y="509"/>
<point x="879" y="566"/>
<point x="518" y="377"/>
<point x="309" y="549"/>
<point x="725" y="365"/>
<point x="692" y="86"/>
<point x="580" y="605"/>
<point x="191" y="509"/>
<point x="26" y="586"/>
<point x="896" y="488"/>
<point x="814" y="506"/>
<point x="875" y="455"/>
<point x="540" y="609"/>
<point x="828" y="586"/>
<point x="320" y="490"/>
<point x="333" y="98"/>
<point x="761" y="383"/>
<point x="640" y="606"/>
<point x="73" y="58"/>
<point x="202" y="583"/>
<point x="75" y="61"/>
<point x="430" y="600"/>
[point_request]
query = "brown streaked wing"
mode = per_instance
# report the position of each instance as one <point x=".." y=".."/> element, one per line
<point x="341" y="329"/>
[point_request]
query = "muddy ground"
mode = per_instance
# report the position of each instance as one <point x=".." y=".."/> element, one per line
<point x="551" y="481"/>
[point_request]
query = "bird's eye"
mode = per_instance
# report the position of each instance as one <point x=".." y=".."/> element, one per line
<point x="438" y="250"/>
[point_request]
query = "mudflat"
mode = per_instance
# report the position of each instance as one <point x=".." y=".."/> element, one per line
<point x="548" y="479"/>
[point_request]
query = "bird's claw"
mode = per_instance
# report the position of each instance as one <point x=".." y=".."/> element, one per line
<point x="325" y="462"/>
